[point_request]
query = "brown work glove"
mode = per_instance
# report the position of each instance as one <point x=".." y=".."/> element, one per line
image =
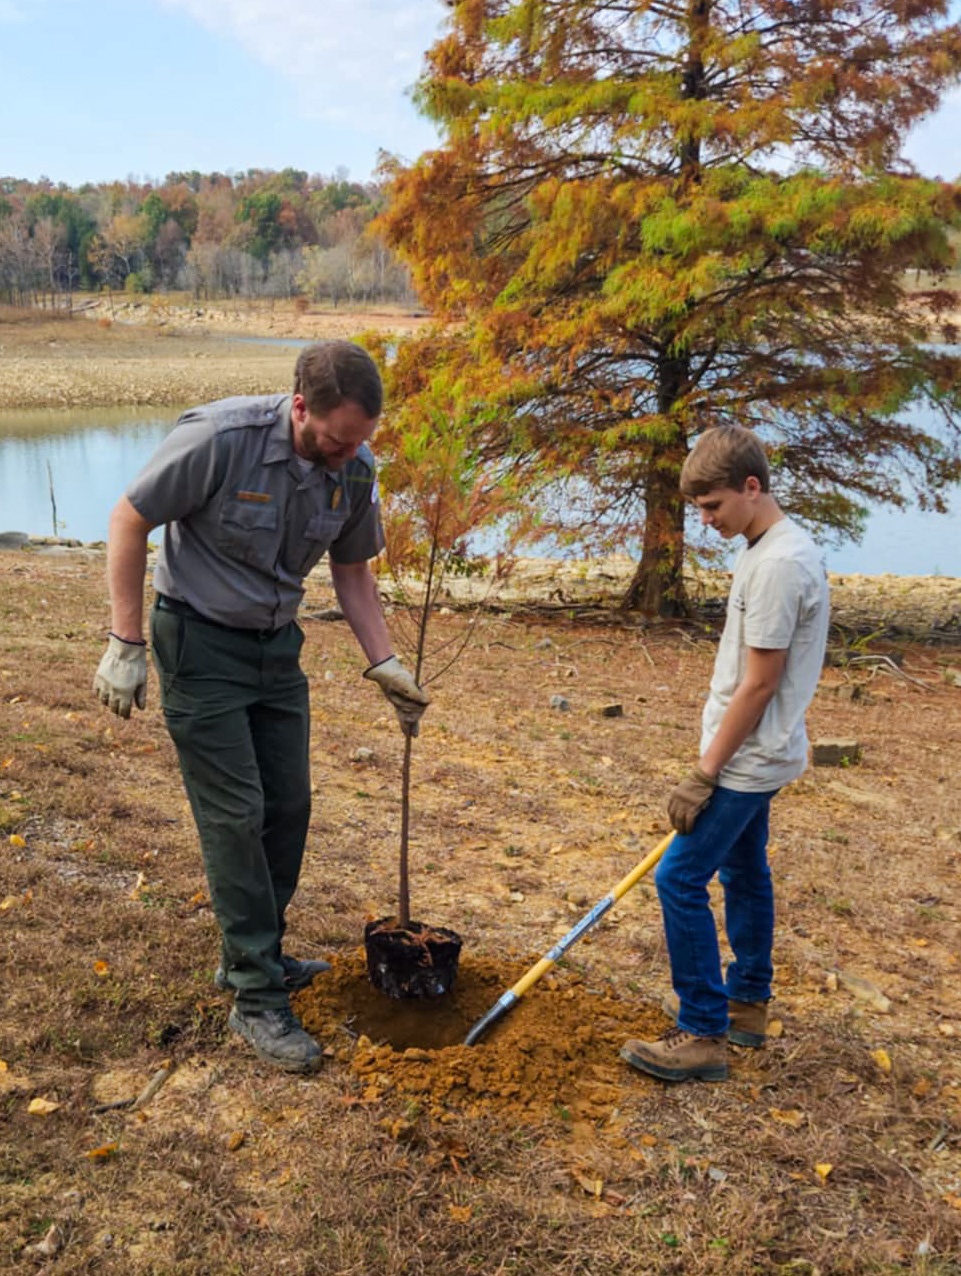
<point x="689" y="798"/>
<point x="398" y="685"/>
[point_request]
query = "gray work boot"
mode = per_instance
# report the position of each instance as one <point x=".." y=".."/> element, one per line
<point x="278" y="1037"/>
<point x="297" y="974"/>
<point x="678" y="1056"/>
<point x="748" y="1020"/>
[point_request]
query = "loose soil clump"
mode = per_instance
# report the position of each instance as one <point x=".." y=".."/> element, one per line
<point x="556" y="1050"/>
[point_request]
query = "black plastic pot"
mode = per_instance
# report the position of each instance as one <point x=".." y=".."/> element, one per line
<point x="411" y="961"/>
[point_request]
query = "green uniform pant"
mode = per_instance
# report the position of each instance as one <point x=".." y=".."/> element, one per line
<point x="237" y="708"/>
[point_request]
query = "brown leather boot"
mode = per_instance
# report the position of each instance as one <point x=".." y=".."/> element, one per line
<point x="748" y="1020"/>
<point x="678" y="1056"/>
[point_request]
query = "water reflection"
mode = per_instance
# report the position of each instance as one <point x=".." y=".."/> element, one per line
<point x="89" y="456"/>
<point x="93" y="454"/>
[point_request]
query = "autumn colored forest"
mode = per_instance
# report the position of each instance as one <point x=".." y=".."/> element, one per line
<point x="254" y="234"/>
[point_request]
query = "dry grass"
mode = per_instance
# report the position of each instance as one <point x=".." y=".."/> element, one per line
<point x="537" y="1152"/>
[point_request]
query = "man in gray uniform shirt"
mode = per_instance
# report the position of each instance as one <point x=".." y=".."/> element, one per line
<point x="252" y="492"/>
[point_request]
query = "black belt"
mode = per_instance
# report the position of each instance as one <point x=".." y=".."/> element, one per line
<point x="181" y="608"/>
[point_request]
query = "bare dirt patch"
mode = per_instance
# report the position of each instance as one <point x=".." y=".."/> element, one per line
<point x="128" y="352"/>
<point x="835" y="1149"/>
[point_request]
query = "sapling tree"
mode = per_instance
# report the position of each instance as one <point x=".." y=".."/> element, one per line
<point x="440" y="489"/>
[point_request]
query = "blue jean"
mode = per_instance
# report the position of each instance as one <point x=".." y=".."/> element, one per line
<point x="729" y="838"/>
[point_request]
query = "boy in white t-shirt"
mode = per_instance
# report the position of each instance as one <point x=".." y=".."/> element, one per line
<point x="753" y="742"/>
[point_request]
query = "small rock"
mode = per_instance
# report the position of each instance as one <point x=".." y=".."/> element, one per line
<point x="561" y="704"/>
<point x="836" y="752"/>
<point x="545" y="644"/>
<point x="953" y="676"/>
<point x="865" y="991"/>
<point x="329" y="613"/>
<point x="516" y="897"/>
<point x="613" y="710"/>
<point x="831" y="981"/>
<point x="362" y="755"/>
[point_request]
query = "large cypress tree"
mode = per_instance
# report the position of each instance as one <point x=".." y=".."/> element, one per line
<point x="653" y="216"/>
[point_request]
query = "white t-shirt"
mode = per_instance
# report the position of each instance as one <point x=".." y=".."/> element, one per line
<point x="779" y="600"/>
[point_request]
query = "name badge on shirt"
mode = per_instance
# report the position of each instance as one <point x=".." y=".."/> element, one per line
<point x="335" y="498"/>
<point x="259" y="498"/>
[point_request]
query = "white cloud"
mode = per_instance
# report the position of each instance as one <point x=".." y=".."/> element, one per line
<point x="345" y="59"/>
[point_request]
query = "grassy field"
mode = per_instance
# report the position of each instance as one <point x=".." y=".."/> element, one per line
<point x="140" y="1138"/>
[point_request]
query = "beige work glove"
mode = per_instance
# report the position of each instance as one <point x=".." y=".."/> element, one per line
<point x="398" y="685"/>
<point x="121" y="678"/>
<point x="689" y="798"/>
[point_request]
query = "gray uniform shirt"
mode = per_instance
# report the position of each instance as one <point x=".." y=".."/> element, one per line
<point x="244" y="520"/>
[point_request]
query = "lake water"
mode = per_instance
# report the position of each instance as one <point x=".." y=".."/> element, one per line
<point x="93" y="454"/>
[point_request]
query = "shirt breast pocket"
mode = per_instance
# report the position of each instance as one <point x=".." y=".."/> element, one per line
<point x="319" y="533"/>
<point x="248" y="532"/>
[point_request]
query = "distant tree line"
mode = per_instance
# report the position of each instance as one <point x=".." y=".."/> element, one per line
<point x="255" y="234"/>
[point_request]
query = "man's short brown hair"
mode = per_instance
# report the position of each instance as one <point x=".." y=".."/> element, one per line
<point x="724" y="456"/>
<point x="329" y="372"/>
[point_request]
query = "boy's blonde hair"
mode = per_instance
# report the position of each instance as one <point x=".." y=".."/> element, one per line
<point x="724" y="456"/>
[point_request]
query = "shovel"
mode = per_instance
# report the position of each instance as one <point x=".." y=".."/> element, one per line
<point x="513" y="995"/>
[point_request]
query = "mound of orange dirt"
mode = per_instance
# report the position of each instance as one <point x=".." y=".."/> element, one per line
<point x="555" y="1050"/>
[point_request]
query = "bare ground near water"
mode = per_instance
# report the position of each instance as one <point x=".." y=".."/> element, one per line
<point x="163" y="351"/>
<point x="836" y="1149"/>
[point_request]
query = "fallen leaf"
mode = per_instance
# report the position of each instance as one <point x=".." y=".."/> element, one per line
<point x="593" y="1187"/>
<point x="952" y="1200"/>
<point x="882" y="1059"/>
<point x="104" y="1152"/>
<point x="823" y="1169"/>
<point x="788" y="1116"/>
<point x="4" y="1066"/>
<point x="51" y="1244"/>
<point x="42" y="1107"/>
<point x="460" y="1213"/>
<point x="947" y="1029"/>
<point x="101" y="968"/>
<point x="16" y="840"/>
<point x="236" y="1140"/>
<point x="921" y="1087"/>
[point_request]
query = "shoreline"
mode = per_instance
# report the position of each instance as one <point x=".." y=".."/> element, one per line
<point x="917" y="608"/>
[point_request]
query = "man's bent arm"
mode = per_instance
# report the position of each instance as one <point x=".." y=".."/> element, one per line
<point x="126" y="569"/>
<point x="356" y="591"/>
<point x="762" y="675"/>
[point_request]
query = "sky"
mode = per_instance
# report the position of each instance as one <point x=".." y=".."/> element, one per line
<point x="104" y="90"/>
